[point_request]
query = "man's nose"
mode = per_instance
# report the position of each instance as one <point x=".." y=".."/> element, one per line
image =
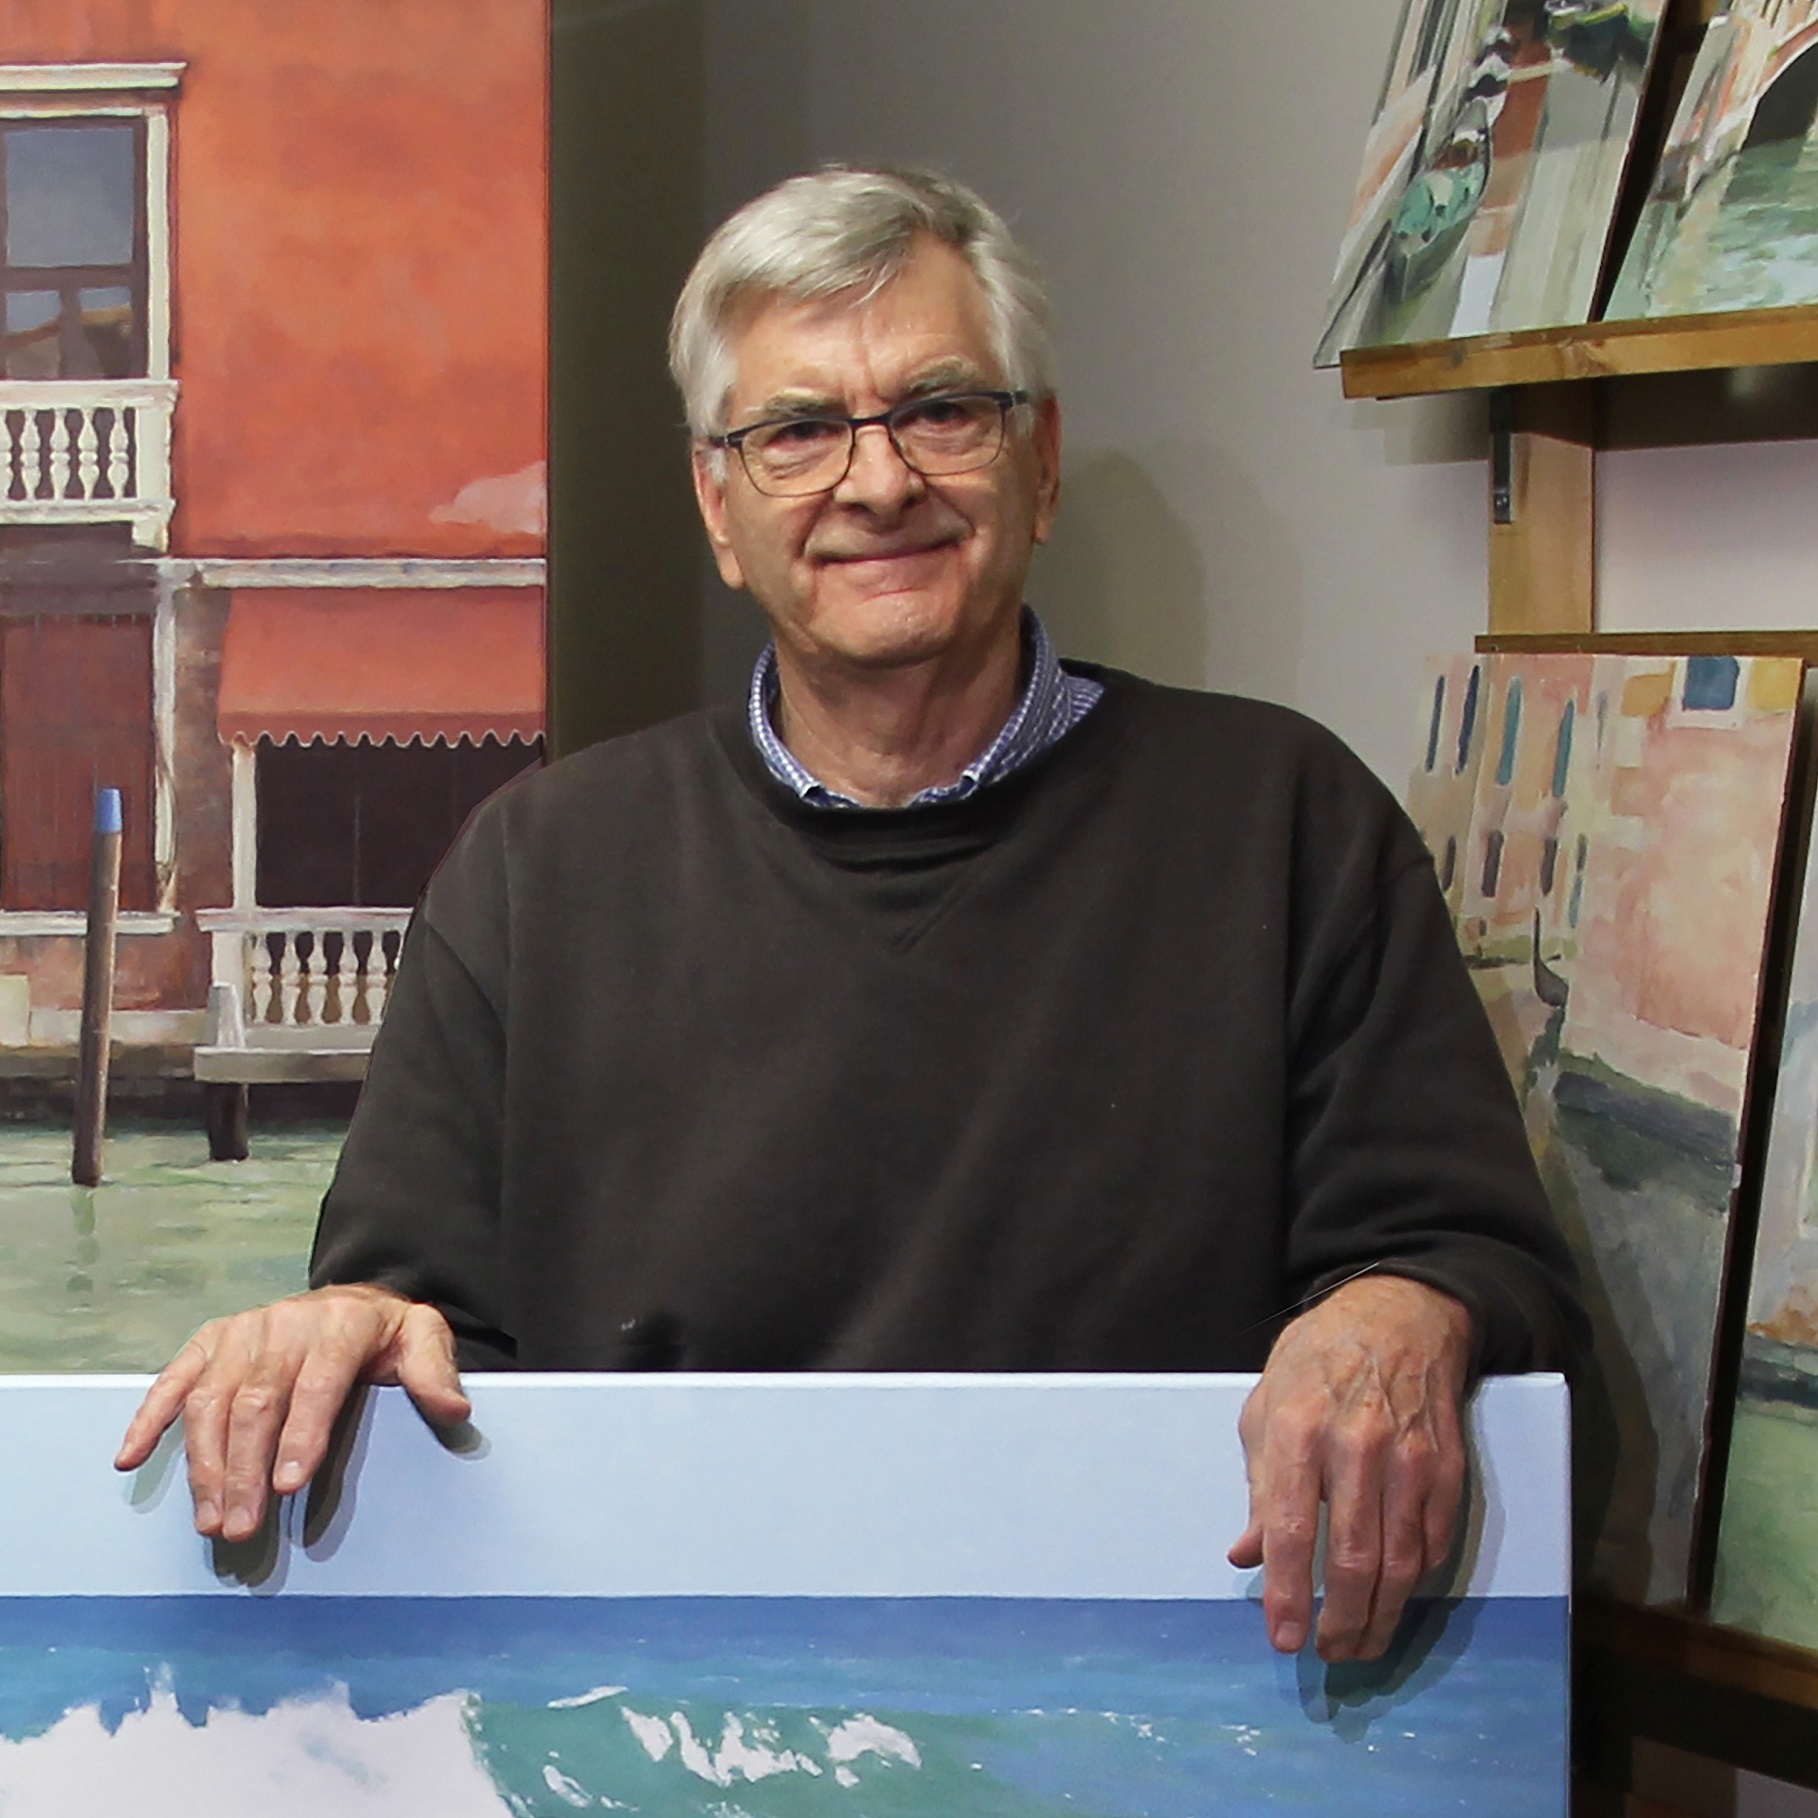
<point x="877" y="476"/>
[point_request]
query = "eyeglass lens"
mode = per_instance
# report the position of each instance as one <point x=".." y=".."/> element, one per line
<point x="935" y="436"/>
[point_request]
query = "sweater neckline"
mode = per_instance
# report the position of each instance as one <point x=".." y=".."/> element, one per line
<point x="978" y="817"/>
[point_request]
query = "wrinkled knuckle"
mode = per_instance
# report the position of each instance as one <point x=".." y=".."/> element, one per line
<point x="1402" y="1570"/>
<point x="259" y="1400"/>
<point x="1350" y="1561"/>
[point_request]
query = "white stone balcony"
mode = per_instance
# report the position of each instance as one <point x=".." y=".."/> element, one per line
<point x="296" y="994"/>
<point x="88" y="451"/>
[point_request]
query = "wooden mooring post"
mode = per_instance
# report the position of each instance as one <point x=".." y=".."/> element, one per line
<point x="97" y="990"/>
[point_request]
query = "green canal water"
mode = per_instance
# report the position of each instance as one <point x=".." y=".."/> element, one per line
<point x="116" y="1277"/>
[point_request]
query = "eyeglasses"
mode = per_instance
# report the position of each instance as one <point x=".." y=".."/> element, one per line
<point x="955" y="432"/>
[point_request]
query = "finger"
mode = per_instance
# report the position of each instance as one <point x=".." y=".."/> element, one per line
<point x="1247" y="1549"/>
<point x="1354" y="1542"/>
<point x="1289" y="1519"/>
<point x="255" y="1415"/>
<point x="426" y="1367"/>
<point x="1445" y="1501"/>
<point x="205" y="1450"/>
<point x="1404" y="1554"/>
<point x="162" y="1404"/>
<point x="316" y="1399"/>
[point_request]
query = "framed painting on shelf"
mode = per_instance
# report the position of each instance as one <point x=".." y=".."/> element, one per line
<point x="1606" y="830"/>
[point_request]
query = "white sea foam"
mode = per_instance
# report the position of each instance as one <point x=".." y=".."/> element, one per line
<point x="570" y="1792"/>
<point x="864" y="1735"/>
<point x="298" y="1760"/>
<point x="651" y="1732"/>
<point x="735" y="1757"/>
<point x="580" y="1699"/>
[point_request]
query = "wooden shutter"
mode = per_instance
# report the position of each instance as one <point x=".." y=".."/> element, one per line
<point x="75" y="717"/>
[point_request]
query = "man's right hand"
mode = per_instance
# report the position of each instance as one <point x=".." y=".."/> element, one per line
<point x="260" y="1392"/>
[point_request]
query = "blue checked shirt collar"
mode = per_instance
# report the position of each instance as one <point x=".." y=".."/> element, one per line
<point x="1052" y="704"/>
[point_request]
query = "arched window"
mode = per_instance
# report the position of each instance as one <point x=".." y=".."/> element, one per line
<point x="1467" y="720"/>
<point x="1448" y="868"/>
<point x="1439" y="711"/>
<point x="1562" y="751"/>
<point x="1511" y="733"/>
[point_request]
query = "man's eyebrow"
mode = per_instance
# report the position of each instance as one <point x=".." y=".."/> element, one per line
<point x="796" y="404"/>
<point x="948" y="375"/>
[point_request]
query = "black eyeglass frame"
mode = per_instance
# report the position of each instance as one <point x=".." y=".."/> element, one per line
<point x="1006" y="401"/>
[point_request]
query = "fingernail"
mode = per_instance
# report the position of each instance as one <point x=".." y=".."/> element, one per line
<point x="206" y="1517"/>
<point x="1290" y="1637"/>
<point x="288" y="1476"/>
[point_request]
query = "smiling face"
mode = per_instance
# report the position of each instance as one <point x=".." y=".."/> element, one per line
<point x="888" y="568"/>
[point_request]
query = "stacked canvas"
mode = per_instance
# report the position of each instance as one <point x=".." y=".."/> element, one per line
<point x="1492" y="169"/>
<point x="1767" y="1561"/>
<point x="1606" y="830"/>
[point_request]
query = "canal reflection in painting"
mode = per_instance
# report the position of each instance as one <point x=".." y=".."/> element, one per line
<point x="1731" y="221"/>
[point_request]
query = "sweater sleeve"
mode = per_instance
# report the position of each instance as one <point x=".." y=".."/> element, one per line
<point x="1407" y="1152"/>
<point x="414" y="1203"/>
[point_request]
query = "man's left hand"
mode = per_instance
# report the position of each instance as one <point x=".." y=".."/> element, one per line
<point x="1358" y="1408"/>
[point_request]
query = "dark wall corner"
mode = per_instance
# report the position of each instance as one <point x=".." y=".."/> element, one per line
<point x="626" y="206"/>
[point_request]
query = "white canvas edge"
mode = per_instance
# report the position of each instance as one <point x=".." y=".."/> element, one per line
<point x="914" y="1485"/>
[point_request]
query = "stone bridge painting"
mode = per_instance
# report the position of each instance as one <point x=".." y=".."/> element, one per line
<point x="1607" y="831"/>
<point x="1732" y="218"/>
<point x="272" y="292"/>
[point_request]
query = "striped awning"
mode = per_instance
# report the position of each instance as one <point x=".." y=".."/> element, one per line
<point x="382" y="664"/>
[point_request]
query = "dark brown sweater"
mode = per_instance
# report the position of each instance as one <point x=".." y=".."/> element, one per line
<point x="1107" y="1068"/>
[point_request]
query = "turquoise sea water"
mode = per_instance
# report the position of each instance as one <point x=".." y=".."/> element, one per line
<point x="776" y="1708"/>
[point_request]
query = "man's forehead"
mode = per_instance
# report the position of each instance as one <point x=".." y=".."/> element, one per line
<point x="927" y="324"/>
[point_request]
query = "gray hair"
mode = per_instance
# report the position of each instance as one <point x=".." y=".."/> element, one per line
<point x="842" y="229"/>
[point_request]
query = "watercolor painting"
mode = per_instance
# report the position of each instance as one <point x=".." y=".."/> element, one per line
<point x="1007" y="1599"/>
<point x="1731" y="220"/>
<point x="271" y="563"/>
<point x="1767" y="1547"/>
<point x="1606" y="830"/>
<point x="1491" y="171"/>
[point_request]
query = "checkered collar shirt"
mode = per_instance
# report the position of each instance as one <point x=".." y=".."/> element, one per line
<point x="1052" y="704"/>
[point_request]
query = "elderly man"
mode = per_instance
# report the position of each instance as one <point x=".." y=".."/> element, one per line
<point x="947" y="1007"/>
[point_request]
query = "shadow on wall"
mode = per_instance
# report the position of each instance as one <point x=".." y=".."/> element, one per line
<point x="1126" y="582"/>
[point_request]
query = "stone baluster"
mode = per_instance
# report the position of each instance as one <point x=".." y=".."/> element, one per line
<point x="12" y="484"/>
<point x="119" y="468"/>
<point x="316" y="978"/>
<point x="372" y="998"/>
<point x="290" y="978"/>
<point x="88" y="453"/>
<point x="347" y="980"/>
<point x="59" y="455"/>
<point x="260" y="981"/>
<point x="30" y="447"/>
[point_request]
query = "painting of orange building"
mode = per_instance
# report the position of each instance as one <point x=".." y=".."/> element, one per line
<point x="271" y="499"/>
<point x="1607" y="831"/>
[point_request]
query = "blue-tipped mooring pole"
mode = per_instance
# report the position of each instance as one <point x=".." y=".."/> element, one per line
<point x="97" y="990"/>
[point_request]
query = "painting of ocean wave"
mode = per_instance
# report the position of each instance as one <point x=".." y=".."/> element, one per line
<point x="761" y="1708"/>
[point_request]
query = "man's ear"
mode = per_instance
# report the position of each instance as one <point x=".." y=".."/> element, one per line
<point x="1046" y="436"/>
<point x="710" y="495"/>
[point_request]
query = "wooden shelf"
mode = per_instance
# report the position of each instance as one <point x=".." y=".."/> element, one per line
<point x="1700" y="1650"/>
<point x="1598" y="350"/>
